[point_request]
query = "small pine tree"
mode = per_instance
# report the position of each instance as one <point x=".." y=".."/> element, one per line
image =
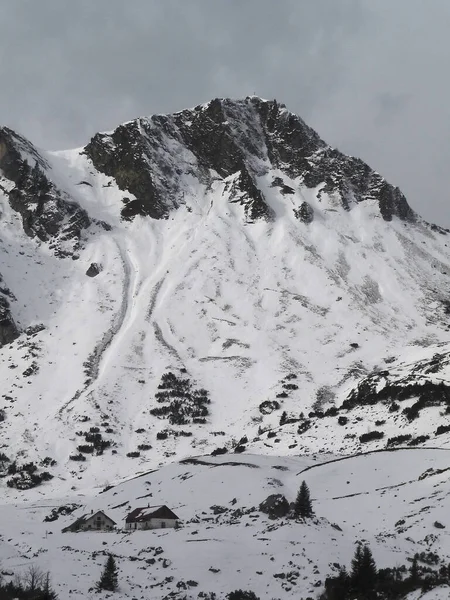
<point x="108" y="579"/>
<point x="364" y="574"/>
<point x="414" y="570"/>
<point x="303" y="505"/>
<point x="369" y="573"/>
<point x="355" y="573"/>
<point x="48" y="592"/>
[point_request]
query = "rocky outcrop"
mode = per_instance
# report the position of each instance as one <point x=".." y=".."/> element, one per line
<point x="305" y="213"/>
<point x="244" y="191"/>
<point x="275" y="505"/>
<point x="94" y="270"/>
<point x="46" y="212"/>
<point x="8" y="329"/>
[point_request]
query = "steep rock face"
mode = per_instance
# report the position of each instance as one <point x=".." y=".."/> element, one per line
<point x="152" y="157"/>
<point x="244" y="191"/>
<point x="8" y="328"/>
<point x="46" y="213"/>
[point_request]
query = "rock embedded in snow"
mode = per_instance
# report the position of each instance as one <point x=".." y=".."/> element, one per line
<point x="94" y="269"/>
<point x="275" y="505"/>
<point x="305" y="213"/>
<point x="8" y="328"/>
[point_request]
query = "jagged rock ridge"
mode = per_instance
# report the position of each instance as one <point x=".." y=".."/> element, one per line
<point x="224" y="138"/>
<point x="46" y="212"/>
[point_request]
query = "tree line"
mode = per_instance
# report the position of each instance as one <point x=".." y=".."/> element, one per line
<point x="366" y="582"/>
<point x="34" y="584"/>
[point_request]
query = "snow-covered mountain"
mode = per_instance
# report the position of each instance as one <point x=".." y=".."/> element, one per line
<point x="215" y="279"/>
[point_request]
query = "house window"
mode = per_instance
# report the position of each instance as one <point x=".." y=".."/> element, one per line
<point x="163" y="525"/>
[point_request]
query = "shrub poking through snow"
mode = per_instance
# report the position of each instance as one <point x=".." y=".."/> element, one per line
<point x="370" y="436"/>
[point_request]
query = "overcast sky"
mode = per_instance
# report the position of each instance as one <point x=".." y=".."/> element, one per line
<point x="371" y="76"/>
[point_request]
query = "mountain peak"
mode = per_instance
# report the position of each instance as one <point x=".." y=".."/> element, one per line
<point x="153" y="158"/>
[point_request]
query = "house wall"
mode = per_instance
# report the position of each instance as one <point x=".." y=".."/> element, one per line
<point x="91" y="524"/>
<point x="152" y="524"/>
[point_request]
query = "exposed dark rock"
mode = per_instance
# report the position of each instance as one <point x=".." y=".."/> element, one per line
<point x="268" y="406"/>
<point x="275" y="506"/>
<point x="46" y="212"/>
<point x="290" y="142"/>
<point x="207" y="133"/>
<point x="218" y="510"/>
<point x="33" y="330"/>
<point x="237" y="138"/>
<point x="124" y="155"/>
<point x="305" y="213"/>
<point x="393" y="203"/>
<point x="94" y="270"/>
<point x="218" y="451"/>
<point x="244" y="191"/>
<point x="8" y="329"/>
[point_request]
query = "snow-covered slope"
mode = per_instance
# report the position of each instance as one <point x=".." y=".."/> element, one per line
<point x="243" y="269"/>
<point x="389" y="500"/>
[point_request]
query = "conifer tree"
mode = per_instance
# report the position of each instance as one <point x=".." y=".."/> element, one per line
<point x="414" y="570"/>
<point x="364" y="575"/>
<point x="356" y="566"/>
<point x="47" y="591"/>
<point x="108" y="579"/>
<point x="369" y="573"/>
<point x="303" y="505"/>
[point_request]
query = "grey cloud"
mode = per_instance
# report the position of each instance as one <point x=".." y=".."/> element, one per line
<point x="389" y="106"/>
<point x="76" y="67"/>
<point x="369" y="76"/>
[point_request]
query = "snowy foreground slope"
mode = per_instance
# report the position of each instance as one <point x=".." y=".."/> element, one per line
<point x="390" y="500"/>
<point x="234" y="249"/>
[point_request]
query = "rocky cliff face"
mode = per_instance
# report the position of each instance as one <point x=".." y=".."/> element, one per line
<point x="225" y="138"/>
<point x="8" y="328"/>
<point x="47" y="213"/>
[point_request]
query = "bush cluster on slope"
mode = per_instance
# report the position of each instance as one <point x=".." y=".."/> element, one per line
<point x="28" y="475"/>
<point x="95" y="444"/>
<point x="179" y="401"/>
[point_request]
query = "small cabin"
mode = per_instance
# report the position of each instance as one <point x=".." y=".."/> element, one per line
<point x="151" y="517"/>
<point x="98" y="521"/>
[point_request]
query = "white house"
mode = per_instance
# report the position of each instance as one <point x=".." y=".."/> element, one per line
<point x="151" y="517"/>
<point x="98" y="521"/>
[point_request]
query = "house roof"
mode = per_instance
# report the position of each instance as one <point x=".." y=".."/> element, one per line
<point x="81" y="520"/>
<point x="147" y="513"/>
